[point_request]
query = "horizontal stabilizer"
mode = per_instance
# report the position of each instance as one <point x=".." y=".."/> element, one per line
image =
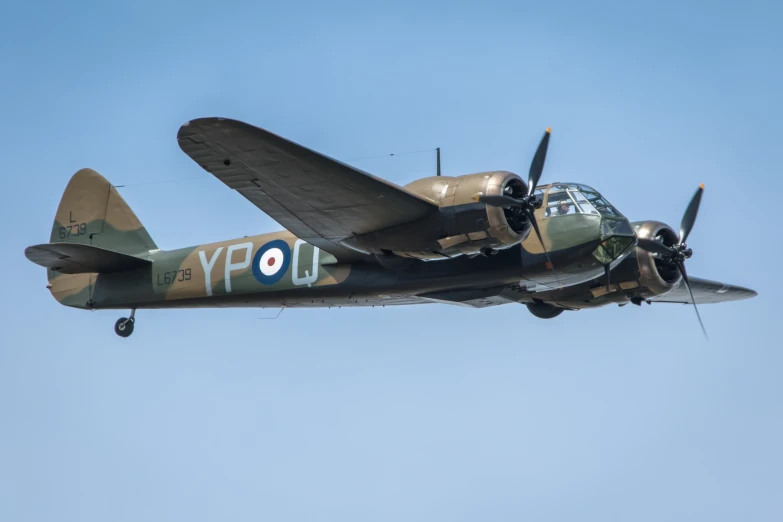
<point x="75" y="258"/>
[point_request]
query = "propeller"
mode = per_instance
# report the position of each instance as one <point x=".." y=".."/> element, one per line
<point x="528" y="203"/>
<point x="677" y="254"/>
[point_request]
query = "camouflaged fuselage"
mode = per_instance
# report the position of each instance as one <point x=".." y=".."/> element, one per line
<point x="229" y="274"/>
<point x="278" y="269"/>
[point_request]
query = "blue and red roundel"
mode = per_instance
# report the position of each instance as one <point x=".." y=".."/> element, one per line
<point x="271" y="262"/>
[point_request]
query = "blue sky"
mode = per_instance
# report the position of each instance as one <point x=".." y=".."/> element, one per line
<point x="419" y="413"/>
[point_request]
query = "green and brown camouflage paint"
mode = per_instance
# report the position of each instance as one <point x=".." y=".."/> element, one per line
<point x="92" y="212"/>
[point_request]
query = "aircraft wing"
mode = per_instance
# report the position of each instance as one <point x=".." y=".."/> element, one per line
<point x="317" y="198"/>
<point x="705" y="291"/>
<point x="473" y="297"/>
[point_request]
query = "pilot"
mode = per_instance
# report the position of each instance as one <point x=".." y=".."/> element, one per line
<point x="562" y="208"/>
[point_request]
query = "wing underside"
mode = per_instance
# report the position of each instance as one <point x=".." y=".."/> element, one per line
<point x="705" y="291"/>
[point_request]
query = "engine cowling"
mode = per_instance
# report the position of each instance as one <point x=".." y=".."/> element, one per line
<point x="468" y="227"/>
<point x="655" y="275"/>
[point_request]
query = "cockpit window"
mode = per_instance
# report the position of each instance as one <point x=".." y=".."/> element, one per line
<point x="565" y="199"/>
<point x="599" y="202"/>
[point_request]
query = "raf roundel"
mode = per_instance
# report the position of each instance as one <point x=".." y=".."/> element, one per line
<point x="271" y="262"/>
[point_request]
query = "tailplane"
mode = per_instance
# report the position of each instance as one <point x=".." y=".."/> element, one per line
<point x="74" y="258"/>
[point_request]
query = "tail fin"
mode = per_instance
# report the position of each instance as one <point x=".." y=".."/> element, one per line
<point x="92" y="212"/>
<point x="94" y="231"/>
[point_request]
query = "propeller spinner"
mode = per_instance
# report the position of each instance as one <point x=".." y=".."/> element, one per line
<point x="677" y="254"/>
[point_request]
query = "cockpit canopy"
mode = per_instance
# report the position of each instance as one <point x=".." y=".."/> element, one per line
<point x="569" y="198"/>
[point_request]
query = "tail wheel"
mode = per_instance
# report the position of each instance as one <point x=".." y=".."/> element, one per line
<point x="124" y="326"/>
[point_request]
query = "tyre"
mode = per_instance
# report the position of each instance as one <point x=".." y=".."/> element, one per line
<point x="544" y="310"/>
<point x="123" y="327"/>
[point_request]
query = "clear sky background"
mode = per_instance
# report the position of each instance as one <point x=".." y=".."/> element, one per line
<point x="430" y="413"/>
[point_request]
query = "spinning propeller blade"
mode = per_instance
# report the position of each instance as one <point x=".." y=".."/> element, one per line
<point x="677" y="254"/>
<point x="528" y="202"/>
<point x="654" y="247"/>
<point x="681" y="267"/>
<point x="537" y="165"/>
<point x="499" y="201"/>
<point x="689" y="218"/>
<point x="541" y="240"/>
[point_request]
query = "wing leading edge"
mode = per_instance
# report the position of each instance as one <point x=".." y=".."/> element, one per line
<point x="317" y="198"/>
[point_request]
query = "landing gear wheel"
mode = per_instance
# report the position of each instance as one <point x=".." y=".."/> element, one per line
<point x="124" y="326"/>
<point x="544" y="310"/>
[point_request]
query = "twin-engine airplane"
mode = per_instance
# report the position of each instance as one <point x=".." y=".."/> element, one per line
<point x="353" y="239"/>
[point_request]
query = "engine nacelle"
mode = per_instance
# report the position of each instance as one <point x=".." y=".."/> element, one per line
<point x="467" y="227"/>
<point x="655" y="275"/>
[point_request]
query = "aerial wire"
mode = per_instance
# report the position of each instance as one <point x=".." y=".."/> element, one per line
<point x="196" y="178"/>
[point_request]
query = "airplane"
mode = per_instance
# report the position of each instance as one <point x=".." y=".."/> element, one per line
<point x="353" y="239"/>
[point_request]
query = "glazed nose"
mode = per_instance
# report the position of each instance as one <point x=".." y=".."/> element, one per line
<point x="617" y="239"/>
